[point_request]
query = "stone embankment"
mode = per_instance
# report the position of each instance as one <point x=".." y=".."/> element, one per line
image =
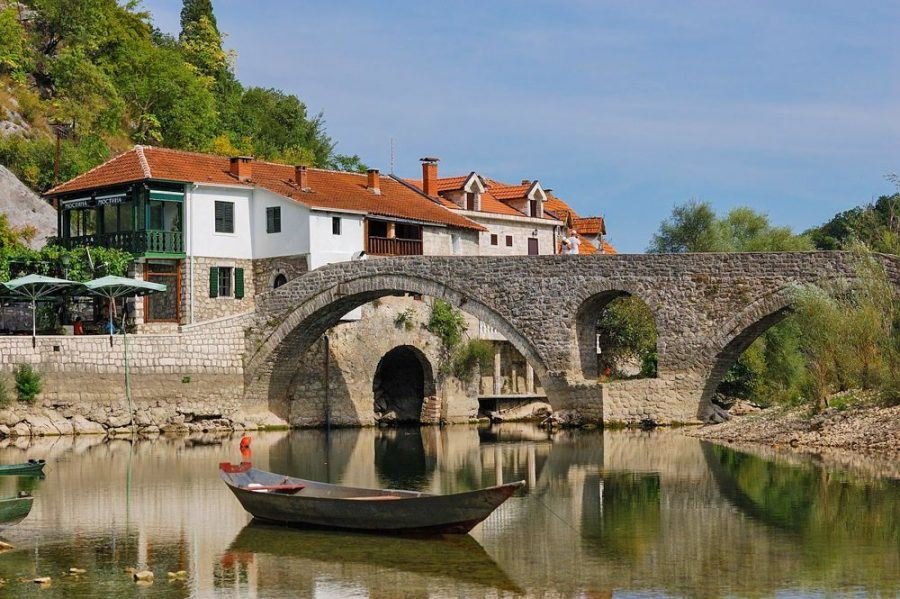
<point x="859" y="428"/>
<point x="21" y="421"/>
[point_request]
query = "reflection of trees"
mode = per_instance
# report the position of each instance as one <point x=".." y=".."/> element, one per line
<point x="621" y="515"/>
<point x="842" y="523"/>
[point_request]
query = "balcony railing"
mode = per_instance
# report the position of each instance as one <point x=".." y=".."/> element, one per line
<point x="392" y="246"/>
<point x="136" y="242"/>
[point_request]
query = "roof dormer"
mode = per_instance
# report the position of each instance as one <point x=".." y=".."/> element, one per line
<point x="536" y="197"/>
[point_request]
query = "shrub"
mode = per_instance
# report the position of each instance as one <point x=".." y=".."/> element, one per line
<point x="4" y="392"/>
<point x="471" y="357"/>
<point x="28" y="383"/>
<point x="404" y="320"/>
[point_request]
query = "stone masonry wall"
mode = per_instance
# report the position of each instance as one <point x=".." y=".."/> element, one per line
<point x="706" y="307"/>
<point x="266" y="269"/>
<point x="356" y="349"/>
<point x="186" y="381"/>
<point x="210" y="308"/>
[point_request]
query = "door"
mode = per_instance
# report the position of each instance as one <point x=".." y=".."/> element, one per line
<point x="532" y="246"/>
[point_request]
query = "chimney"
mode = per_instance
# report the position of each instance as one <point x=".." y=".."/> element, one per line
<point x="429" y="175"/>
<point x="526" y="182"/>
<point x="242" y="167"/>
<point x="373" y="179"/>
<point x="301" y="177"/>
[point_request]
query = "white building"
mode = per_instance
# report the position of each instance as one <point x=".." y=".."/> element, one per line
<point x="218" y="230"/>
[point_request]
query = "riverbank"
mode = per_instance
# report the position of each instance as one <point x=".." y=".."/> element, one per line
<point x="865" y="428"/>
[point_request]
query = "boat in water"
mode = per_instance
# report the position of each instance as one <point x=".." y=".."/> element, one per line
<point x="29" y="468"/>
<point x="298" y="502"/>
<point x="14" y="509"/>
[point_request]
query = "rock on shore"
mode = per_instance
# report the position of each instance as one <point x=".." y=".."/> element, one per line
<point x="858" y="428"/>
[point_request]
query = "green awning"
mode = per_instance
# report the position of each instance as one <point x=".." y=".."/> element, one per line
<point x="166" y="196"/>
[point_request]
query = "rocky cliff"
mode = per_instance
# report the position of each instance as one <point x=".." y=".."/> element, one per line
<point x="23" y="208"/>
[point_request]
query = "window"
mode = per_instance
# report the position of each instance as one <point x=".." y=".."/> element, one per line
<point x="273" y="219"/>
<point x="534" y="209"/>
<point x="279" y="281"/>
<point x="225" y="281"/>
<point x="494" y="240"/>
<point x="470" y="201"/>
<point x="509" y="241"/>
<point x="335" y="225"/>
<point x="224" y="217"/>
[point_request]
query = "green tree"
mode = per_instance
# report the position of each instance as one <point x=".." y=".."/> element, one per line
<point x="876" y="225"/>
<point x="691" y="228"/>
<point x="192" y="11"/>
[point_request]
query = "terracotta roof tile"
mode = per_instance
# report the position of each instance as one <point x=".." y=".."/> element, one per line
<point x="592" y="225"/>
<point x="329" y="189"/>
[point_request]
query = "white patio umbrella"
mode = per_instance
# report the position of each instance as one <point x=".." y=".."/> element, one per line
<point x="112" y="288"/>
<point x="38" y="288"/>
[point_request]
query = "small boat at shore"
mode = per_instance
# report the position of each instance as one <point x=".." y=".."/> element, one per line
<point x="298" y="502"/>
<point x="14" y="509"/>
<point x="31" y="467"/>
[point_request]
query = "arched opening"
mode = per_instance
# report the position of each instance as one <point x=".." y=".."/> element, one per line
<point x="315" y="303"/>
<point x="280" y="280"/>
<point x="402" y="381"/>
<point x="616" y="337"/>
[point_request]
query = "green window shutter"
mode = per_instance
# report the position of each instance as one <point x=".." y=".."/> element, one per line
<point x="214" y="282"/>
<point x="238" y="283"/>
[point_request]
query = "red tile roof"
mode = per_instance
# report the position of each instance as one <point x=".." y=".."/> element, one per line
<point x="328" y="189"/>
<point x="592" y="225"/>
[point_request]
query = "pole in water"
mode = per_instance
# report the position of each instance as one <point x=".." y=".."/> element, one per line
<point x="327" y="391"/>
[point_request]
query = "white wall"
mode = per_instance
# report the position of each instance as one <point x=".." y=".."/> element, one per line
<point x="325" y="247"/>
<point x="203" y="239"/>
<point x="438" y="241"/>
<point x="294" y="236"/>
<point x="520" y="229"/>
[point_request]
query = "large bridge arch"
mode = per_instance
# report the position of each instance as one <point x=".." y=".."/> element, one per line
<point x="591" y="301"/>
<point x="269" y="372"/>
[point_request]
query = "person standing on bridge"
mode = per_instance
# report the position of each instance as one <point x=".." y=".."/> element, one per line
<point x="570" y="243"/>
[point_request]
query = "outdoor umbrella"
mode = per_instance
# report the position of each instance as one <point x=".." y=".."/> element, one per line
<point x="36" y="288"/>
<point x="112" y="288"/>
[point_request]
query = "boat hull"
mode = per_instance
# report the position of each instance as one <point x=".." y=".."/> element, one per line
<point x="331" y="506"/>
<point x="14" y="509"/>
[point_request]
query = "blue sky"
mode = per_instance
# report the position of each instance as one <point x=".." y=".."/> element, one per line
<point x="622" y="108"/>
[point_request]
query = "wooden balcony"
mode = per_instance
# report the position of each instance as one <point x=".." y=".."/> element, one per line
<point x="163" y="243"/>
<point x="392" y="246"/>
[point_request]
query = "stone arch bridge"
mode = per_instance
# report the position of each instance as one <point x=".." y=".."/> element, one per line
<point x="708" y="309"/>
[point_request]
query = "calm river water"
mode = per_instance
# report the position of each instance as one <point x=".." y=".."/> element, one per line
<point x="615" y="514"/>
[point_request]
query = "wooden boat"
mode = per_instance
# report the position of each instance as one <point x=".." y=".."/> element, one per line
<point x="32" y="467"/>
<point x="298" y="502"/>
<point x="14" y="509"/>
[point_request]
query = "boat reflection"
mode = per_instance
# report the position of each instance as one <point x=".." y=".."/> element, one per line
<point x="302" y="555"/>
